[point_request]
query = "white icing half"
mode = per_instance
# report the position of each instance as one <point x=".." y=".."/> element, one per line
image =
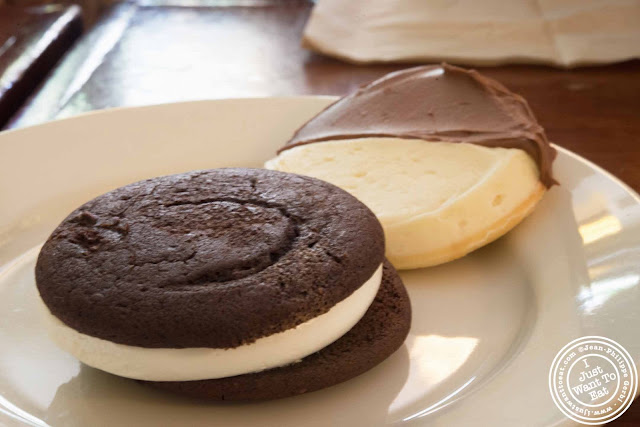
<point x="187" y="364"/>
<point x="436" y="201"/>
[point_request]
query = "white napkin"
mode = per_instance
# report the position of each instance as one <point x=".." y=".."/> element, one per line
<point x="565" y="33"/>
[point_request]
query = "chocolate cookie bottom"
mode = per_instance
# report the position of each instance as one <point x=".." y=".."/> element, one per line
<point x="379" y="333"/>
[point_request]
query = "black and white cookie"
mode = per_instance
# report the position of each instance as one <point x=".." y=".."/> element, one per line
<point x="448" y="159"/>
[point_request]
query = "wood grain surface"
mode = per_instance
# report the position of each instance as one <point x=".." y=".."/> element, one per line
<point x="32" y="40"/>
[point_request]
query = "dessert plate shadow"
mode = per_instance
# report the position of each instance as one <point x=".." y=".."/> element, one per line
<point x="485" y="329"/>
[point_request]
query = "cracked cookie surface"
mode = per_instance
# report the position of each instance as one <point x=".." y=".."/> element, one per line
<point x="214" y="258"/>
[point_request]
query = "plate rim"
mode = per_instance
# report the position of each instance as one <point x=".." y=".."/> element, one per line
<point x="124" y="109"/>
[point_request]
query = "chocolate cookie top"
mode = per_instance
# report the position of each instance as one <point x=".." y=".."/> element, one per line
<point x="212" y="259"/>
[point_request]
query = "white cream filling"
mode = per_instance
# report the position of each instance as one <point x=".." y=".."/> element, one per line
<point x="187" y="364"/>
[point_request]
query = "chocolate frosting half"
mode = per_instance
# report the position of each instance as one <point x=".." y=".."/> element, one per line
<point x="434" y="103"/>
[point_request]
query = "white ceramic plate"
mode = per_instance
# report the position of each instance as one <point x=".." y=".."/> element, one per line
<point x="485" y="328"/>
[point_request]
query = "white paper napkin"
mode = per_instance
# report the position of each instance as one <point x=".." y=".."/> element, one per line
<point x="565" y="33"/>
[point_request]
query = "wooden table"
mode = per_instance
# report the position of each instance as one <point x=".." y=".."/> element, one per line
<point x="161" y="53"/>
<point x="32" y="40"/>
